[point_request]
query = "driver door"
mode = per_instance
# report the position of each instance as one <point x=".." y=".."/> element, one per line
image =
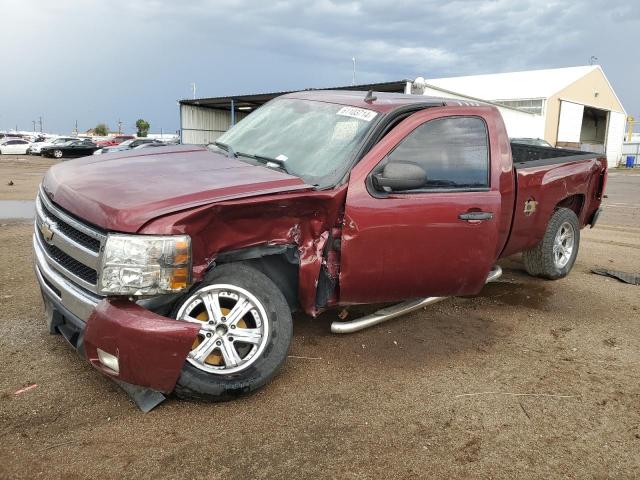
<point x="439" y="239"/>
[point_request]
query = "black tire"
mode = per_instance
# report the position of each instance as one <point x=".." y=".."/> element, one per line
<point x="540" y="261"/>
<point x="197" y="384"/>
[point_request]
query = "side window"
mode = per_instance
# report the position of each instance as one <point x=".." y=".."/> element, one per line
<point x="453" y="152"/>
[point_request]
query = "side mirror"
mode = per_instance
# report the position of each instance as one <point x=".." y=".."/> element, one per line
<point x="400" y="176"/>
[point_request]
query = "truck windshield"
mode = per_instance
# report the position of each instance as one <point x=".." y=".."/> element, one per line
<point x="310" y="139"/>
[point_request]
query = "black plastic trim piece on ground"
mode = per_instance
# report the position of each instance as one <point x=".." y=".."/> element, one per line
<point x="145" y="399"/>
<point x="626" y="277"/>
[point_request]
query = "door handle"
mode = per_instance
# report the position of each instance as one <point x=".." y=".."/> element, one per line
<point x="475" y="216"/>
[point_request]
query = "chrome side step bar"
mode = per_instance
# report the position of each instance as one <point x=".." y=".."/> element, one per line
<point x="397" y="310"/>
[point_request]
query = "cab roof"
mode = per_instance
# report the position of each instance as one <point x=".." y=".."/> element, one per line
<point x="384" y="102"/>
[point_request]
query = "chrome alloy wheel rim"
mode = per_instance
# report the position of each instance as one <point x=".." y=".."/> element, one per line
<point x="234" y="328"/>
<point x="57" y="154"/>
<point x="563" y="245"/>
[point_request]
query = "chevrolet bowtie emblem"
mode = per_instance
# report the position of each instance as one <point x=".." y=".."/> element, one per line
<point x="46" y="229"/>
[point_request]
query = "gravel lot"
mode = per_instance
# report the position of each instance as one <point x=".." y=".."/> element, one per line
<point x="531" y="379"/>
<point x="25" y="172"/>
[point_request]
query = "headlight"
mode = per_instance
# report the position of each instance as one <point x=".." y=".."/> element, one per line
<point x="145" y="264"/>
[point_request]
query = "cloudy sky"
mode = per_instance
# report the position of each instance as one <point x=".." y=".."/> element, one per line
<point x="100" y="61"/>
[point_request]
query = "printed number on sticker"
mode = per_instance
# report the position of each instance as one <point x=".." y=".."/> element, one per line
<point x="359" y="113"/>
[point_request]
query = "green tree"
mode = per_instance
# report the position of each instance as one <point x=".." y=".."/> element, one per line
<point x="101" y="129"/>
<point x="143" y="127"/>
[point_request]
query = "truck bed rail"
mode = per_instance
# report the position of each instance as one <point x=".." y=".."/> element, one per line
<point x="536" y="156"/>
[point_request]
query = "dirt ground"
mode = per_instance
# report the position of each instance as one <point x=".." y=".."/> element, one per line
<point x="25" y="172"/>
<point x="531" y="379"/>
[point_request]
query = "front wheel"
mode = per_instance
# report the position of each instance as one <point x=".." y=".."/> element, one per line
<point x="57" y="153"/>
<point x="245" y="332"/>
<point x="555" y="255"/>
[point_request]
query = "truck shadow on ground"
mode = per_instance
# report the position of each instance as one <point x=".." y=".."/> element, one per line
<point x="455" y="326"/>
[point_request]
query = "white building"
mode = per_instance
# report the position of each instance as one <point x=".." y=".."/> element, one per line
<point x="577" y="106"/>
<point x="519" y="123"/>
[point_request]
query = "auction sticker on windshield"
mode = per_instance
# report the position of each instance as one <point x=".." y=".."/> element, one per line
<point x="359" y="113"/>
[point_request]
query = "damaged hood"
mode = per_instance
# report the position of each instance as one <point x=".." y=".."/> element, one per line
<point x="123" y="191"/>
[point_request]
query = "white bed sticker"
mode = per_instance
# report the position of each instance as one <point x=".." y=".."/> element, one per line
<point x="359" y="113"/>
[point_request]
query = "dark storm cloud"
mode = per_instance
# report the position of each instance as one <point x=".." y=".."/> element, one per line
<point x="100" y="61"/>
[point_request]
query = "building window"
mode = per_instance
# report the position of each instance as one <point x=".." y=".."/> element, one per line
<point x="534" y="106"/>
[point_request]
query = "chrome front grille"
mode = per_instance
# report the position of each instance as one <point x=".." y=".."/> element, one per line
<point x="92" y="243"/>
<point x="72" y="265"/>
<point x="69" y="246"/>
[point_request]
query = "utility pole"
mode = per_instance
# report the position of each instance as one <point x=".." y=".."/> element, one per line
<point x="119" y="127"/>
<point x="76" y="129"/>
<point x="34" y="125"/>
<point x="40" y="123"/>
<point x="353" y="80"/>
<point x="593" y="60"/>
<point x="193" y="89"/>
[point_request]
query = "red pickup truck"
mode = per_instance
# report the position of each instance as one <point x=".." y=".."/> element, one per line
<point x="112" y="142"/>
<point x="177" y="269"/>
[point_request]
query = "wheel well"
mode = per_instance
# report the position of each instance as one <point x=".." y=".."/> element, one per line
<point x="280" y="263"/>
<point x="574" y="202"/>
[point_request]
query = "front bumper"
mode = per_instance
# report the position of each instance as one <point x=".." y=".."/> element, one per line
<point x="151" y="349"/>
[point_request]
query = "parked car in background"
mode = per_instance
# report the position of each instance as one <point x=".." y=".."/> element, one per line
<point x="7" y="136"/>
<point x="74" y="148"/>
<point x="535" y="142"/>
<point x="14" y="146"/>
<point x="36" y="148"/>
<point x="117" y="140"/>
<point x="40" y="139"/>
<point x="126" y="145"/>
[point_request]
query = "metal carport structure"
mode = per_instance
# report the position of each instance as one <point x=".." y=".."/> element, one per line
<point x="203" y="120"/>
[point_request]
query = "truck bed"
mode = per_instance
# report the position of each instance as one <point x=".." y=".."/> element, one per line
<point x="547" y="178"/>
<point x="534" y="156"/>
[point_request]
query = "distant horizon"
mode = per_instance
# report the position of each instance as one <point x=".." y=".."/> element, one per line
<point x="60" y="134"/>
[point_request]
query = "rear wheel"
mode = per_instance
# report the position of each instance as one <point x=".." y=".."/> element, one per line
<point x="555" y="255"/>
<point x="245" y="332"/>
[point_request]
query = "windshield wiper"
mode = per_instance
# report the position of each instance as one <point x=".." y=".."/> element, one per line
<point x="268" y="161"/>
<point x="281" y="164"/>
<point x="227" y="148"/>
